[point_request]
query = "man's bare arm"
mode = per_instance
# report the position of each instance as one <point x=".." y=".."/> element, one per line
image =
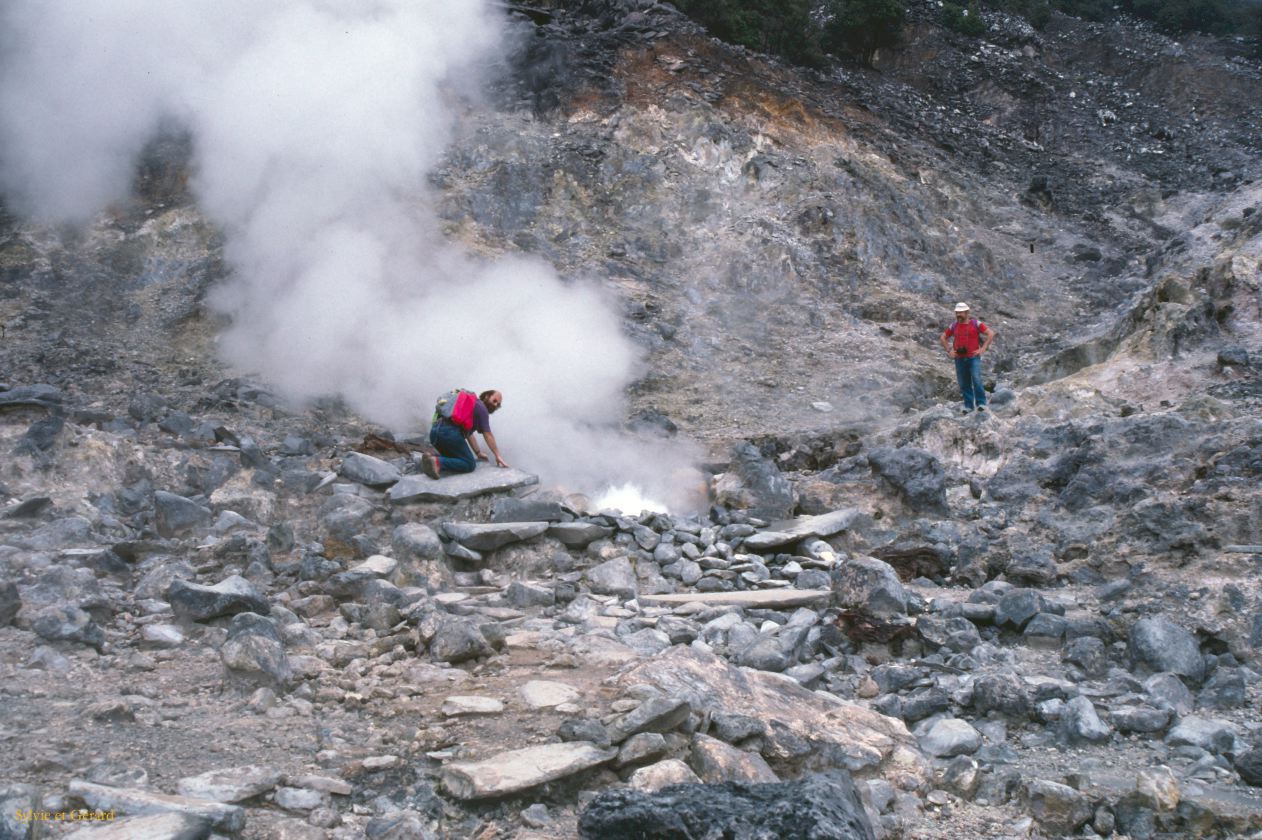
<point x="495" y="450"/>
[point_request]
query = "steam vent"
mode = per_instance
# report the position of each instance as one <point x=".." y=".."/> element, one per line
<point x="624" y="419"/>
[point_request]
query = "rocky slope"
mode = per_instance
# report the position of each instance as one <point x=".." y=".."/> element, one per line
<point x="1045" y="619"/>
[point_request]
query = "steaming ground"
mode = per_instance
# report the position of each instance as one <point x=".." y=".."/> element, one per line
<point x="314" y="127"/>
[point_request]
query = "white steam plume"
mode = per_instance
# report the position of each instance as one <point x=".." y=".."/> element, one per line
<point x="314" y="125"/>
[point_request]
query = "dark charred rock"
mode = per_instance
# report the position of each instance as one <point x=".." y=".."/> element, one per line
<point x="868" y="586"/>
<point x="29" y="508"/>
<point x="31" y="396"/>
<point x="147" y="407"/>
<point x="862" y="627"/>
<point x="818" y="807"/>
<point x="771" y="494"/>
<point x="915" y="474"/>
<point x="10" y="602"/>
<point x="41" y="435"/>
<point x="458" y="640"/>
<point x="1249" y="766"/>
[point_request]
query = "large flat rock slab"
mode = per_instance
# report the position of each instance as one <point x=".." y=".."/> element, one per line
<point x="451" y="488"/>
<point x="824" y="525"/>
<point x="488" y="537"/>
<point x="771" y="599"/>
<point x="132" y="802"/>
<point x="863" y="738"/>
<point x="170" y="826"/>
<point x="518" y="770"/>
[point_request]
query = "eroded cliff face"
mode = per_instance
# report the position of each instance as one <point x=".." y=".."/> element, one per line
<point x="771" y="232"/>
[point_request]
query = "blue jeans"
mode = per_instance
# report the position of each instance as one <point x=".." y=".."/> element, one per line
<point x="455" y="456"/>
<point x="968" y="373"/>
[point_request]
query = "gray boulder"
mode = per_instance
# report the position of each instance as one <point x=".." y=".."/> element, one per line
<point x="1211" y="735"/>
<point x="614" y="577"/>
<point x="865" y="583"/>
<point x="1002" y="692"/>
<point x="1158" y="644"/>
<point x="175" y="515"/>
<point x="1017" y="606"/>
<point x="458" y="640"/>
<point x="1225" y="689"/>
<point x="1249" y="766"/>
<point x="658" y="714"/>
<point x="1089" y="654"/>
<point x="1058" y="809"/>
<point x="369" y="471"/>
<point x="1080" y="723"/>
<point x="491" y="536"/>
<point x="1167" y="691"/>
<point x="254" y="653"/>
<point x="68" y="624"/>
<point x="195" y="602"/>
<point x="951" y="737"/>
<point x="579" y="534"/>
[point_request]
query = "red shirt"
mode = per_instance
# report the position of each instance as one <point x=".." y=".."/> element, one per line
<point x="967" y="336"/>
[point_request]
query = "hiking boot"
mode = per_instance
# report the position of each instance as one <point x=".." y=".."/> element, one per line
<point x="981" y="408"/>
<point x="429" y="466"/>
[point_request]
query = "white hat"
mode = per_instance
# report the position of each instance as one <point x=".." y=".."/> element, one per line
<point x="961" y="307"/>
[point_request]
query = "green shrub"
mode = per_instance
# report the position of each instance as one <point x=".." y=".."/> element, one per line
<point x="964" y="21"/>
<point x="861" y="27"/>
<point x="779" y="27"/>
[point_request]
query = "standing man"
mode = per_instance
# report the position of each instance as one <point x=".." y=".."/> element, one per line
<point x="457" y="450"/>
<point x="965" y="341"/>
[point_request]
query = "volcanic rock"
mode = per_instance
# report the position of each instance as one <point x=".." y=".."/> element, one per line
<point x="254" y="652"/>
<point x="230" y="784"/>
<point x="518" y="770"/>
<point x="229" y="818"/>
<point x="451" y="488"/>
<point x="175" y="515"/>
<point x="672" y="771"/>
<point x="715" y="762"/>
<point x="367" y="470"/>
<point x="233" y="594"/>
<point x="870" y="585"/>
<point x="491" y="536"/>
<point x="818" y="807"/>
<point x="169" y="826"/>
<point x="865" y="738"/>
<point x="69" y="624"/>
<point x="1058" y="809"/>
<point x="10" y="602"/>
<point x="1159" y="644"/>
<point x="951" y="737"/>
